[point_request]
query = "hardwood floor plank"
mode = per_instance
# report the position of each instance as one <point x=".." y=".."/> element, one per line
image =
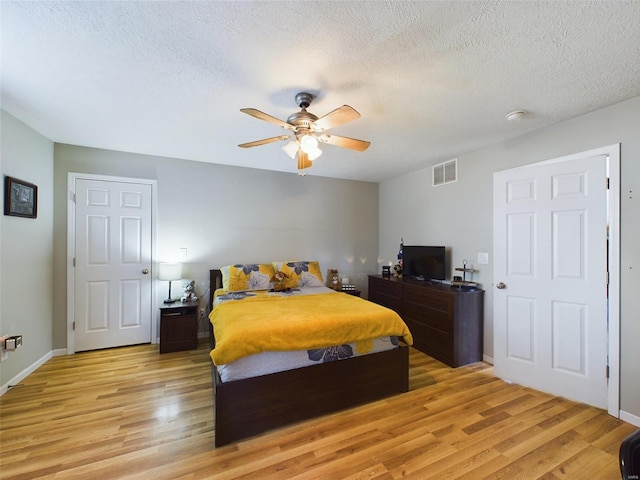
<point x="131" y="413"/>
<point x="548" y="456"/>
<point x="540" y="437"/>
<point x="582" y="464"/>
<point x="374" y="472"/>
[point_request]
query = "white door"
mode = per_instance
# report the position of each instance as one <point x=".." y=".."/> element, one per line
<point x="112" y="291"/>
<point x="550" y="274"/>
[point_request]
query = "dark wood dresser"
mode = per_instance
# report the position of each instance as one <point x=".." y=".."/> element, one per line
<point x="446" y="322"/>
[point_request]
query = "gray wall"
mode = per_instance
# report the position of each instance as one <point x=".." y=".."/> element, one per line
<point x="26" y="250"/>
<point x="459" y="215"/>
<point x="225" y="215"/>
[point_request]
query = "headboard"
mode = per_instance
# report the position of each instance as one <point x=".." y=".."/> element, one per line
<point x="215" y="282"/>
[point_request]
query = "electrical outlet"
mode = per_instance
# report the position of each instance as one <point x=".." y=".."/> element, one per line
<point x="12" y="343"/>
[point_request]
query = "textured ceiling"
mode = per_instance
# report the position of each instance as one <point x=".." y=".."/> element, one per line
<point x="432" y="80"/>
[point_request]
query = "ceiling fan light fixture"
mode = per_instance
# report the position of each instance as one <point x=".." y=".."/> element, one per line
<point x="308" y="143"/>
<point x="291" y="149"/>
<point x="313" y="154"/>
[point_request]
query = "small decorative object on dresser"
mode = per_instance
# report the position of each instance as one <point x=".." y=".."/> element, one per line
<point x="463" y="282"/>
<point x="397" y="270"/>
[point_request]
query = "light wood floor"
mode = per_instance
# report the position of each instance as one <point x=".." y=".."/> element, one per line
<point x="132" y="413"/>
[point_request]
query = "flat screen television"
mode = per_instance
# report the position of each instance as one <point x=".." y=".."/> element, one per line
<point x="423" y="262"/>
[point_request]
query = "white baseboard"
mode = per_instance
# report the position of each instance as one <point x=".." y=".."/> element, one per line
<point x="630" y="418"/>
<point x="25" y="373"/>
<point x="487" y="358"/>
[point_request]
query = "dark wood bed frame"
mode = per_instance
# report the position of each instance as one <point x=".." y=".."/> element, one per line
<point x="247" y="407"/>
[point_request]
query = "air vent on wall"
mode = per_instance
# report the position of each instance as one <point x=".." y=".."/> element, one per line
<point x="445" y="172"/>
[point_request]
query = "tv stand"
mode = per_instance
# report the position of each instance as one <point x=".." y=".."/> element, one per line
<point x="446" y="322"/>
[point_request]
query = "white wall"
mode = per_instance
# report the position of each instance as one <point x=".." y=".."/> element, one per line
<point x="26" y="251"/>
<point x="224" y="215"/>
<point x="459" y="215"/>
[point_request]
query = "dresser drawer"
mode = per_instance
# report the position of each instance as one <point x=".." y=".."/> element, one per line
<point x="435" y="319"/>
<point x="424" y="297"/>
<point x="434" y="343"/>
<point x="386" y="293"/>
<point x="179" y="311"/>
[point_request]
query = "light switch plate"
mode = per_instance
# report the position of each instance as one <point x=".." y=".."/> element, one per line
<point x="483" y="258"/>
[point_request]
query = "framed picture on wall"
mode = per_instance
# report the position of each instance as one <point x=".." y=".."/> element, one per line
<point x="20" y="198"/>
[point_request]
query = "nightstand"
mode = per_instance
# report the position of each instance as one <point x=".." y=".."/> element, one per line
<point x="178" y="326"/>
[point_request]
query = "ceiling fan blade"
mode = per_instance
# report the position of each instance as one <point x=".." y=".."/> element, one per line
<point x="266" y="117"/>
<point x="264" y="141"/>
<point x="337" y="117"/>
<point x="346" y="142"/>
<point x="303" y="160"/>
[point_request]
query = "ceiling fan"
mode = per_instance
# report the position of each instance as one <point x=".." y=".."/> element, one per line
<point x="307" y="130"/>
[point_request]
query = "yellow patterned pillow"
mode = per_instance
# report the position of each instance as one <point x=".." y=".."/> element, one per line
<point x="301" y="274"/>
<point x="238" y="278"/>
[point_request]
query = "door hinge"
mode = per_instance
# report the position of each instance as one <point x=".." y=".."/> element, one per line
<point x="73" y="327"/>
<point x="607" y="278"/>
<point x="607" y="183"/>
<point x="74" y="261"/>
<point x="607" y="371"/>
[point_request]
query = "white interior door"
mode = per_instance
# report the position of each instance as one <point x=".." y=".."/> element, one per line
<point x="112" y="291"/>
<point x="550" y="304"/>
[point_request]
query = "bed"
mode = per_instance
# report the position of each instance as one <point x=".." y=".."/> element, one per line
<point x="245" y="407"/>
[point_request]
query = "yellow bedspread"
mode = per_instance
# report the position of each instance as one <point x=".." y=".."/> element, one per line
<point x="269" y="323"/>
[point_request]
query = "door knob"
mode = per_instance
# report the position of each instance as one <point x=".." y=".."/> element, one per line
<point x="501" y="285"/>
<point x="145" y="271"/>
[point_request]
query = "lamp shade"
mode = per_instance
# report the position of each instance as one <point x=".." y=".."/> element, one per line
<point x="169" y="271"/>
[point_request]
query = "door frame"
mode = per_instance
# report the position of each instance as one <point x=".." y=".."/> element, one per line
<point x="613" y="342"/>
<point x="71" y="247"/>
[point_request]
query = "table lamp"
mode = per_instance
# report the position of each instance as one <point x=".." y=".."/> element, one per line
<point x="169" y="272"/>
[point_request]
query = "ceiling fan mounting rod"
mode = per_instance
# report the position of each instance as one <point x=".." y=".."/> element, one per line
<point x="304" y="99"/>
